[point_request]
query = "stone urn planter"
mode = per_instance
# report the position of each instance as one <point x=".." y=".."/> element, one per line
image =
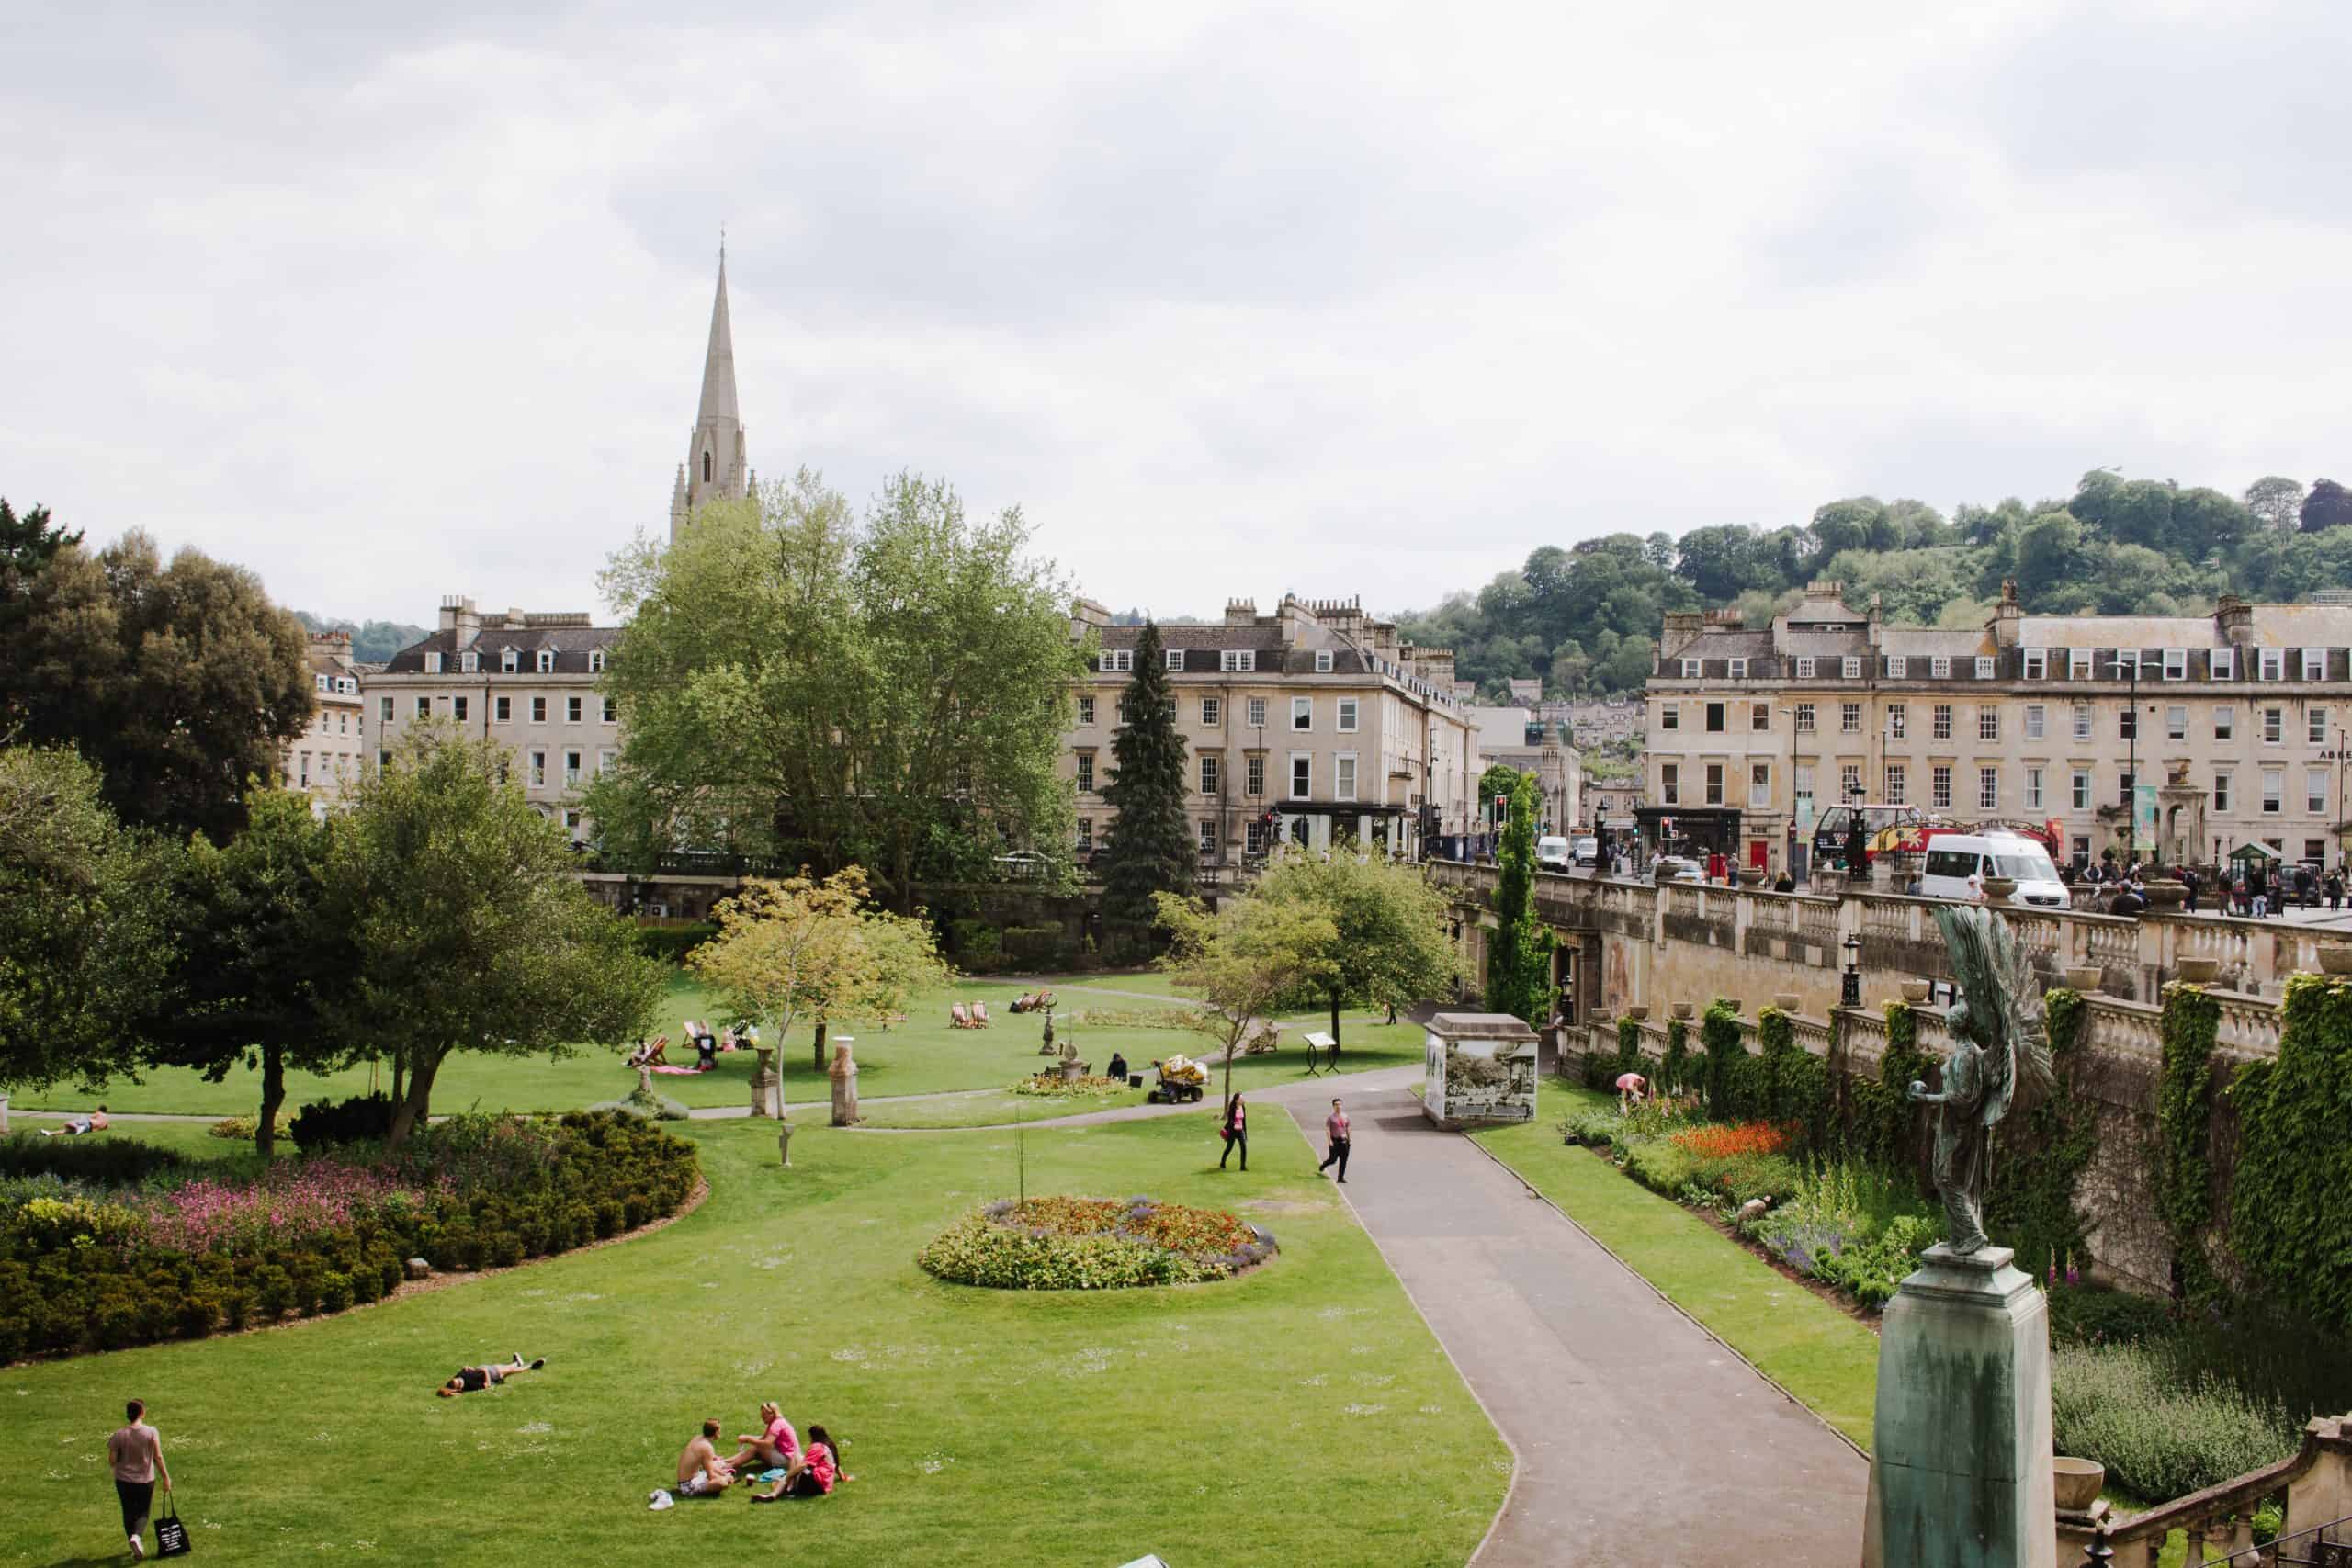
<point x="2076" y="1482"/>
<point x="1682" y="1009"/>
<point x="1916" y="991"/>
<point x="1637" y="1011"/>
<point x="2000" y="889"/>
<point x="1786" y="1000"/>
<point x="2199" y="971"/>
<point x="2165" y="895"/>
<point x="2084" y="976"/>
<point x="1751" y="877"/>
<point x="2335" y="958"/>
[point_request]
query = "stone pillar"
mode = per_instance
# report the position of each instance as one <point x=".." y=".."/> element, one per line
<point x="1960" y="1468"/>
<point x="767" y="1085"/>
<point x="4" y="1116"/>
<point x="844" y="1072"/>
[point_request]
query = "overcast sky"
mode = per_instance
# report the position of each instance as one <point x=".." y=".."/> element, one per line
<point x="1229" y="300"/>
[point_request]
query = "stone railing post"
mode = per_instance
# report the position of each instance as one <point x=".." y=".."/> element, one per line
<point x="1743" y="915"/>
<point x="2324" y="1492"/>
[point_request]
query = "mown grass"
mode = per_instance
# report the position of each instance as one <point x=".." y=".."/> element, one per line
<point x="1812" y="1349"/>
<point x="1263" y="1420"/>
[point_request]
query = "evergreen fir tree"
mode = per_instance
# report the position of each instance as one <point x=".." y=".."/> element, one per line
<point x="1151" y="849"/>
<point x="1519" y="965"/>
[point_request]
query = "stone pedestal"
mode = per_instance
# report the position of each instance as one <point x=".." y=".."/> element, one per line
<point x="767" y="1085"/>
<point x="844" y="1072"/>
<point x="4" y="1116"/>
<point x="1960" y="1472"/>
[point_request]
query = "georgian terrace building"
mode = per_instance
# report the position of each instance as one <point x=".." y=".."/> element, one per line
<point x="330" y="753"/>
<point x="1315" y="723"/>
<point x="526" y="680"/>
<point x="2236" y="720"/>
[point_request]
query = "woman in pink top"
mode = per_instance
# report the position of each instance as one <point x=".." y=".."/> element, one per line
<point x="812" y="1475"/>
<point x="1237" y="1132"/>
<point x="136" y="1451"/>
<point x="774" y="1445"/>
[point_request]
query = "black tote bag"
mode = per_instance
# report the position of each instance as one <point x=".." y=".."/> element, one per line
<point x="171" y="1536"/>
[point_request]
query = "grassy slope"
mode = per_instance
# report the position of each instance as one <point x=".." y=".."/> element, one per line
<point x="984" y="1426"/>
<point x="1807" y="1346"/>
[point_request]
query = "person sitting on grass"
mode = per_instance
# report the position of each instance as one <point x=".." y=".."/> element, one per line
<point x="811" y="1475"/>
<point x="774" y="1445"/>
<point x="1119" y="1065"/>
<point x="96" y="1121"/>
<point x="701" y="1473"/>
<point x="650" y="1055"/>
<point x="473" y="1379"/>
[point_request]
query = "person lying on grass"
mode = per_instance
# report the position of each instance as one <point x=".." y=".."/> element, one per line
<point x="96" y="1121"/>
<point x="701" y="1473"/>
<point x="473" y="1379"/>
<point x="774" y="1445"/>
<point x="812" y="1474"/>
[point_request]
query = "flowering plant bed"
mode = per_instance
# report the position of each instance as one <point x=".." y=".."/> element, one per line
<point x="1093" y="1244"/>
<point x="1720" y="1142"/>
<point x="1052" y="1086"/>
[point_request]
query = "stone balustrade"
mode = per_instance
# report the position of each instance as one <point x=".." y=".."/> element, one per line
<point x="2218" y="1523"/>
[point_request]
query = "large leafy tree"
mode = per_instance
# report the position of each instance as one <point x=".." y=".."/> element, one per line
<point x="257" y="958"/>
<point x="1151" y="849"/>
<point x="84" y="934"/>
<point x="469" y="927"/>
<point x="1388" y="944"/>
<point x="182" y="683"/>
<point x="1519" y="963"/>
<point x="2329" y="505"/>
<point x="802" y="684"/>
<point x="1241" y="962"/>
<point x="801" y="948"/>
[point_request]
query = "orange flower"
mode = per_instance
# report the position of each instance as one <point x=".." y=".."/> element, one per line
<point x="1723" y="1143"/>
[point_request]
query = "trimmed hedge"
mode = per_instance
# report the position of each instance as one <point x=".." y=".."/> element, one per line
<point x="87" y="1272"/>
<point x="672" y="943"/>
<point x="324" y="1124"/>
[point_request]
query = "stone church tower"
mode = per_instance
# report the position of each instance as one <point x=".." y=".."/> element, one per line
<point x="717" y="467"/>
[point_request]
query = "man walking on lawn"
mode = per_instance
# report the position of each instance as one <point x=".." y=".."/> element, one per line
<point x="1335" y="1127"/>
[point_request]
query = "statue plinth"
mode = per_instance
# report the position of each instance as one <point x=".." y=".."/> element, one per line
<point x="1959" y="1466"/>
<point x="843" y="1073"/>
<point x="767" y="1085"/>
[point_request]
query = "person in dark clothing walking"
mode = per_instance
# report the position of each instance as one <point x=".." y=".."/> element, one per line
<point x="2334" y="890"/>
<point x="137" y="1456"/>
<point x="2189" y="880"/>
<point x="1237" y="1132"/>
<point x="1335" y="1127"/>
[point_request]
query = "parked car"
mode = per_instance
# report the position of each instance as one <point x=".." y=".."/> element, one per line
<point x="1677" y="868"/>
<point x="1552" y="852"/>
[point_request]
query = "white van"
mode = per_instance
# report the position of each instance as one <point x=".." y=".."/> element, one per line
<point x="1954" y="858"/>
<point x="1587" y="851"/>
<point x="1552" y="852"/>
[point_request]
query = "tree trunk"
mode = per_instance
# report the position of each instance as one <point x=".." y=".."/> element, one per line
<point x="818" y="1049"/>
<point x="273" y="1095"/>
<point x="399" y="1064"/>
<point x="408" y="1111"/>
<point x="1335" y="1025"/>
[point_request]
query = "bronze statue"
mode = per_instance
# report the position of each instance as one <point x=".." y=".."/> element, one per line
<point x="1998" y="1038"/>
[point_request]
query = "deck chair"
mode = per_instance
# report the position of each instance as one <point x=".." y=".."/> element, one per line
<point x="958" y="1018"/>
<point x="979" y="1015"/>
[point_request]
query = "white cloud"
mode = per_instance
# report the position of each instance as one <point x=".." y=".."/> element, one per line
<point x="1341" y="299"/>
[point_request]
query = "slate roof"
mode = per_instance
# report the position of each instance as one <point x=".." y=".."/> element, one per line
<point x="572" y="646"/>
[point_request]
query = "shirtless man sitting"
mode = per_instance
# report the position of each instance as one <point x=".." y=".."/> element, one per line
<point x="701" y="1473"/>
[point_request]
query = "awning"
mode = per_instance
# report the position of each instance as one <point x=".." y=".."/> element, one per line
<point x="2256" y="851"/>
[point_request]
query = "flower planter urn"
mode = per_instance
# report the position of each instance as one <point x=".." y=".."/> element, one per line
<point x="1751" y="875"/>
<point x="1679" y="1010"/>
<point x="2084" y="976"/>
<point x="2076" y="1482"/>
<point x="2199" y="971"/>
<point x="2165" y="894"/>
<point x="2335" y="958"/>
<point x="2000" y="889"/>
<point x="1916" y="991"/>
<point x="1637" y="1011"/>
<point x="1786" y="1001"/>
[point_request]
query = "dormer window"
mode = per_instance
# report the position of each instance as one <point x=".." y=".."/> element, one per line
<point x="1739" y="669"/>
<point x="2078" y="664"/>
<point x="1896" y="666"/>
<point x="2273" y="663"/>
<point x="509" y="661"/>
<point x="469" y="662"/>
<point x="2314" y="664"/>
<point x="1241" y="659"/>
<point x="2222" y="664"/>
<point x="432" y="664"/>
<point x="595" y="662"/>
<point x="547" y="660"/>
<point x="323" y="683"/>
<point x="1983" y="668"/>
<point x="1805" y="668"/>
<point x="2127" y="663"/>
<point x="1322" y="661"/>
<point x="1690" y="669"/>
<point x="1175" y="660"/>
<point x="1850" y="669"/>
<point x="2176" y="665"/>
<point x="1939" y="668"/>
<point x="2037" y="663"/>
<point x="1115" y="659"/>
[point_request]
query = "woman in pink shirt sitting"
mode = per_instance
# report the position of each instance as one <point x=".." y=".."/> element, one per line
<point x="811" y="1475"/>
<point x="774" y="1445"/>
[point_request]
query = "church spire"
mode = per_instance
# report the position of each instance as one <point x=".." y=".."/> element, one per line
<point x="717" y="465"/>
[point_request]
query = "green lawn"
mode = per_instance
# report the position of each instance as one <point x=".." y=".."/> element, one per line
<point x="1256" y="1421"/>
<point x="1804" y="1344"/>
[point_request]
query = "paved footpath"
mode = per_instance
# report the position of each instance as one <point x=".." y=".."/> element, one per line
<point x="1641" y="1438"/>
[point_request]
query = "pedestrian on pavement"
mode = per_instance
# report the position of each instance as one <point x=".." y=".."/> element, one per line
<point x="2334" y="890"/>
<point x="136" y="1451"/>
<point x="1237" y="1132"/>
<point x="2189" y="880"/>
<point x="1335" y="1127"/>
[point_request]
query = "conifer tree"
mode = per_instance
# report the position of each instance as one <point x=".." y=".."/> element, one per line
<point x="1150" y="848"/>
<point x="1519" y="965"/>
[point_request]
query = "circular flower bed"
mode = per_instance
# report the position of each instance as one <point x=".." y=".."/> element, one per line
<point x="1093" y="1244"/>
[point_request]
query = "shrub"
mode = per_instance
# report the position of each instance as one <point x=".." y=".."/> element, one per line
<point x="321" y="1125"/>
<point x="1036" y="944"/>
<point x="109" y="1161"/>
<point x="672" y="943"/>
<point x="2093" y="1314"/>
<point x="1092" y="1243"/>
<point x="975" y="941"/>
<point x="336" y="1293"/>
<point x="2161" y="1434"/>
<point x="1595" y="1128"/>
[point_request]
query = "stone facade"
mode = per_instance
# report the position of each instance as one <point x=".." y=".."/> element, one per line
<point x="2237" y="721"/>
<point x="327" y="757"/>
<point x="1314" y="724"/>
<point x="1517" y="738"/>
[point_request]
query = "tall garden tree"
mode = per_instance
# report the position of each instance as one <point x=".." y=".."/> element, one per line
<point x="821" y="950"/>
<point x="803" y="685"/>
<point x="182" y="683"/>
<point x="470" y="925"/>
<point x="84" y="933"/>
<point x="1519" y="963"/>
<point x="1151" y="849"/>
<point x="1239" y="965"/>
<point x="1388" y="944"/>
<point x="2329" y="505"/>
<point x="257" y="959"/>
